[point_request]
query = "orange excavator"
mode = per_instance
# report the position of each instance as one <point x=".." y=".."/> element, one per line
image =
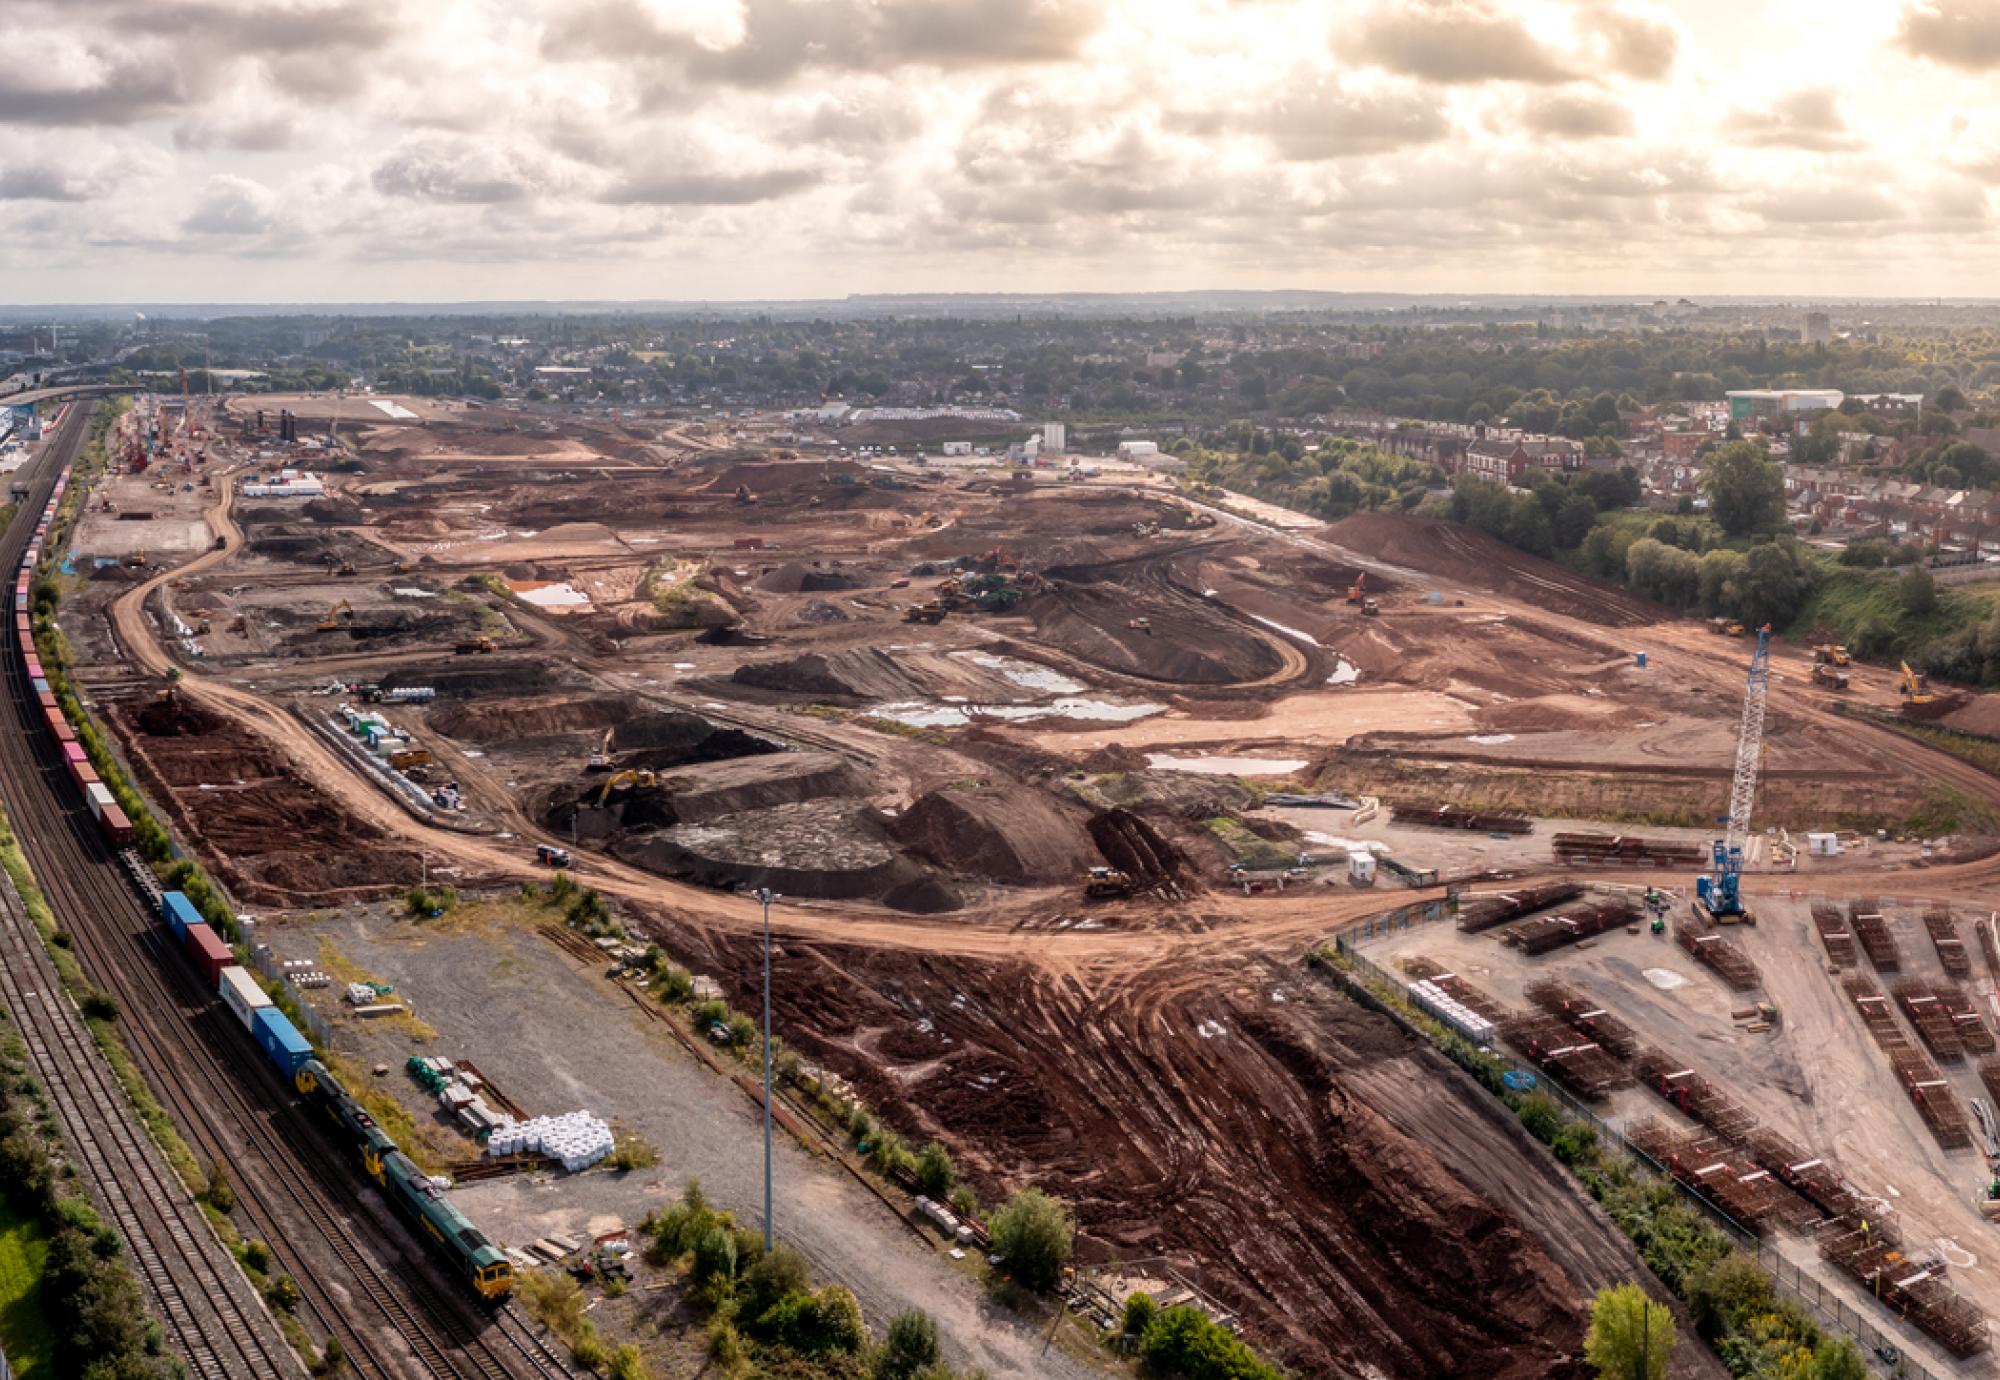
<point x="1358" y="590"/>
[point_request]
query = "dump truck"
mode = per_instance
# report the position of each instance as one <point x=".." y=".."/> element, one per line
<point x="932" y="612"/>
<point x="476" y="646"/>
<point x="1371" y="608"/>
<point x="1106" y="882"/>
<point x="1831" y="654"/>
<point x="1825" y="675"/>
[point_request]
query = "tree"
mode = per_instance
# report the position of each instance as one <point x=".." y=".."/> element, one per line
<point x="911" y="1345"/>
<point x="1917" y="592"/>
<point x="1630" y="1335"/>
<point x="1574" y="520"/>
<point x="1777" y="578"/>
<point x="781" y="1273"/>
<point x="934" y="1170"/>
<point x="1033" y="1233"/>
<point x="1746" y="491"/>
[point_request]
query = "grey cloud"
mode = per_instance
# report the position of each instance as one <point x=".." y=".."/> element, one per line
<point x="269" y="27"/>
<point x="1809" y="119"/>
<point x="1635" y="45"/>
<point x="1328" y="122"/>
<point x="452" y="172"/>
<point x="710" y="189"/>
<point x="1456" y="42"/>
<point x="267" y="134"/>
<point x="1834" y="205"/>
<point x="233" y="207"/>
<point x="128" y="90"/>
<point x="1957" y="33"/>
<point x="40" y="182"/>
<point x="1563" y="115"/>
<point x="857" y="125"/>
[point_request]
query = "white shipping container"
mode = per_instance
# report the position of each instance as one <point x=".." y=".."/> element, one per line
<point x="242" y="995"/>
<point x="100" y="798"/>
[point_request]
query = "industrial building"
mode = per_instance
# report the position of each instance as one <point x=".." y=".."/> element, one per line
<point x="1748" y="404"/>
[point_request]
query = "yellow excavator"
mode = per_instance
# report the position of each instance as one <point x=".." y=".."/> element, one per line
<point x="600" y="760"/>
<point x="342" y="612"/>
<point x="1914" y="689"/>
<point x="624" y="780"/>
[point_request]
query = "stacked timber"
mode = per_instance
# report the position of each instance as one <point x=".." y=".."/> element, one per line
<point x="1721" y="1173"/>
<point x="1973" y="1032"/>
<point x="1927" y="1089"/>
<point x="1584" y="1016"/>
<point x="1933" y="1021"/>
<point x="1693" y="1095"/>
<point x="1920" y="1291"/>
<point x="1625" y="850"/>
<point x="1871" y="927"/>
<point x="1582" y="1065"/>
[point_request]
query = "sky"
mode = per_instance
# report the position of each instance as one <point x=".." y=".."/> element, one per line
<point x="460" y="150"/>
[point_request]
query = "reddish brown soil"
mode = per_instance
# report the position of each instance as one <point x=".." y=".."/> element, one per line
<point x="1460" y="554"/>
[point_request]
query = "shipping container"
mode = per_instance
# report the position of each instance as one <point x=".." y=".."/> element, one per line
<point x="280" y="1040"/>
<point x="178" y="912"/>
<point x="47" y="699"/>
<point x="100" y="798"/>
<point x="83" y="774"/>
<point x="35" y="671"/>
<point x="73" y="752"/>
<point x="40" y="683"/>
<point x="117" y="828"/>
<point x="208" y="951"/>
<point x="242" y="995"/>
<point x="59" y="726"/>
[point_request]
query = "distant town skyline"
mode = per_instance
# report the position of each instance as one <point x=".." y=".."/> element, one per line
<point x="467" y="150"/>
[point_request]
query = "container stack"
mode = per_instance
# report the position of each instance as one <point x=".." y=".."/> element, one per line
<point x="576" y="1139"/>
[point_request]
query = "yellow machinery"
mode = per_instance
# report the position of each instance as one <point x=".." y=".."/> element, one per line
<point x="932" y="612"/>
<point x="1914" y="689"/>
<point x="1831" y="654"/>
<point x="1824" y="673"/>
<point x="600" y="760"/>
<point x="1106" y="882"/>
<point x="340" y="612"/>
<point x="624" y="780"/>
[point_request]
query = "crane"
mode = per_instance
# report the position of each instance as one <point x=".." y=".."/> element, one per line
<point x="1717" y="893"/>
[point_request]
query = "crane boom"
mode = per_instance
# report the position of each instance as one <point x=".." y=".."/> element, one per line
<point x="1718" y="891"/>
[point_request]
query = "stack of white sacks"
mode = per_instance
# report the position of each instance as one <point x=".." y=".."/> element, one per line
<point x="576" y="1139"/>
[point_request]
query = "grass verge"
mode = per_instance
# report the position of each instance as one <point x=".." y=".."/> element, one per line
<point x="24" y="1327"/>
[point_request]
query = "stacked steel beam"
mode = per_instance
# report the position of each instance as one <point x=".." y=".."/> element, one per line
<point x="1871" y="927"/>
<point x="1918" y="1290"/>
<point x="1693" y="1094"/>
<point x="1925" y="1086"/>
<point x="1945" y="938"/>
<point x="1806" y="1174"/>
<point x="1626" y="850"/>
<point x="1723" y="955"/>
<point x="1834" y="933"/>
<point x="1720" y="1172"/>
<point x="1545" y="932"/>
<point x="1487" y="912"/>
<point x="1934" y="1023"/>
<point x="1565" y="1003"/>
<point x="1550" y="1044"/>
<point x="1458" y="817"/>
<point x="1973" y="1031"/>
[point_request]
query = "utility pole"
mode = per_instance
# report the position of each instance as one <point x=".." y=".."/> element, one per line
<point x="765" y="896"/>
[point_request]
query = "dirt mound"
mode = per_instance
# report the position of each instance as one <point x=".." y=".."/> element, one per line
<point x="336" y="512"/>
<point x="1551" y="714"/>
<point x="674" y="738"/>
<point x="177" y="718"/>
<point x="1002" y="834"/>
<point x="817" y="613"/>
<point x="865" y="673"/>
<point x="773" y="476"/>
<point x="1981" y="715"/>
<point x="1462" y="555"/>
<point x="476" y="676"/>
<point x="799" y="578"/>
<point x="700" y="794"/>
<point x="1135" y="847"/>
<point x="501" y="721"/>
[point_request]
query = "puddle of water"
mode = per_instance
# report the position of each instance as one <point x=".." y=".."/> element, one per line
<point x="1304" y="637"/>
<point x="917" y="714"/>
<point x="1345" y="672"/>
<point x="1028" y="675"/>
<point x="1490" y="739"/>
<point x="1227" y="766"/>
<point x="408" y="592"/>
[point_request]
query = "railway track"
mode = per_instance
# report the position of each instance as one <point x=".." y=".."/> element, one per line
<point x="293" y="1189"/>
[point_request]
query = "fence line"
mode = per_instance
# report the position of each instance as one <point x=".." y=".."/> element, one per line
<point x="317" y="1026"/>
<point x="1792" y="1281"/>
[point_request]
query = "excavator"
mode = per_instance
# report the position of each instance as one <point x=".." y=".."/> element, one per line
<point x="1914" y="689"/>
<point x="744" y="497"/>
<point x="342" y="612"/>
<point x="1105" y="883"/>
<point x="624" y="780"/>
<point x="600" y="760"/>
<point x="1358" y="590"/>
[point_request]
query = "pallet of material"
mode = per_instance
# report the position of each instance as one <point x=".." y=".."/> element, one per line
<point x="1945" y="939"/>
<point x="1584" y="1016"/>
<point x="1935" y="1101"/>
<point x="1814" y="1179"/>
<point x="1487" y="912"/>
<point x="1871" y="928"/>
<point x="1458" y="817"/>
<point x="1720" y="1173"/>
<point x="1543" y="933"/>
<point x="1918" y="1291"/>
<point x="1552" y="1046"/>
<point x="1693" y="1095"/>
<point x="1423" y="969"/>
<point x="1874" y="1011"/>
<point x="1835" y="934"/>
<point x="1625" y="850"/>
<point x="1720" y="953"/>
<point x="1973" y="1032"/>
<point x="1933" y="1021"/>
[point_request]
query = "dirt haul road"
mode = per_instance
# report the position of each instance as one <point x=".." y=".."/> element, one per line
<point x="1170" y="1071"/>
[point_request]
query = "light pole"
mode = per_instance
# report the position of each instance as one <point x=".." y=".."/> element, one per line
<point x="765" y="896"/>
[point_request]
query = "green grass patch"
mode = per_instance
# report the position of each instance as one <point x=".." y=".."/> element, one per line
<point x="1249" y="848"/>
<point x="1864" y="609"/>
<point x="24" y="1327"/>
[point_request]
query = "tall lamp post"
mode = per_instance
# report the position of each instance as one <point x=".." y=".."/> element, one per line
<point x="765" y="896"/>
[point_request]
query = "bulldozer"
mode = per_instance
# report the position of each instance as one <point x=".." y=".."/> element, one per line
<point x="1105" y="883"/>
<point x="932" y="612"/>
<point x="625" y="780"/>
<point x="1825" y="674"/>
<point x="340" y="614"/>
<point x="600" y="759"/>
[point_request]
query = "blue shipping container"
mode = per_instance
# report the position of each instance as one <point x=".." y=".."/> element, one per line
<point x="179" y="912"/>
<point x="41" y="686"/>
<point x="281" y="1043"/>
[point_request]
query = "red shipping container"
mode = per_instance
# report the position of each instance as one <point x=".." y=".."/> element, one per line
<point x="83" y="774"/>
<point x="59" y="726"/>
<point x="47" y="699"/>
<point x="208" y="951"/>
<point x="117" y="828"/>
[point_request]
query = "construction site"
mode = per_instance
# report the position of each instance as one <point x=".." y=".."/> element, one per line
<point x="1057" y="782"/>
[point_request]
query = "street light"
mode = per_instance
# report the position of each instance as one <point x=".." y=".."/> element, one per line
<point x="764" y="895"/>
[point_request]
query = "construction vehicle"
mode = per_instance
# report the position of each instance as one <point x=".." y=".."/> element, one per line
<point x="1371" y="608"/>
<point x="344" y="568"/>
<point x="476" y="646"/>
<point x="1718" y="896"/>
<point x="626" y="780"/>
<point x="932" y="612"/>
<point x="1831" y="654"/>
<point x="1104" y="883"/>
<point x="1144" y="625"/>
<point x="137" y="560"/>
<point x="342" y="612"/>
<point x="201" y="627"/>
<point x="551" y="856"/>
<point x="1915" y="689"/>
<point x="1725" y="627"/>
<point x="744" y="497"/>
<point x="1358" y="589"/>
<point x="600" y="760"/>
<point x="1824" y="674"/>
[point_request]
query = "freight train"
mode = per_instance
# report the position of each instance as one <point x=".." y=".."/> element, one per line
<point x="447" y="1231"/>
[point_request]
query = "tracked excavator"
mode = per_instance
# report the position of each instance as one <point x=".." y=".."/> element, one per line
<point x="600" y="760"/>
<point x="625" y="780"/>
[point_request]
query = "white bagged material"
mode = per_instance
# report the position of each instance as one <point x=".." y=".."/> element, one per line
<point x="576" y="1140"/>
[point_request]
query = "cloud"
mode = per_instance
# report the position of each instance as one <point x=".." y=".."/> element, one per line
<point x="121" y="90"/>
<point x="1455" y="42"/>
<point x="1957" y="33"/>
<point x="233" y="207"/>
<point x="1823" y="205"/>
<point x="1810" y="119"/>
<point x="454" y="171"/>
<point x="1326" y="121"/>
<point x="41" y="182"/>
<point x="269" y="133"/>
<point x="710" y="189"/>
<point x="1632" y="42"/>
<point x="1575" y="115"/>
<point x="269" y="26"/>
